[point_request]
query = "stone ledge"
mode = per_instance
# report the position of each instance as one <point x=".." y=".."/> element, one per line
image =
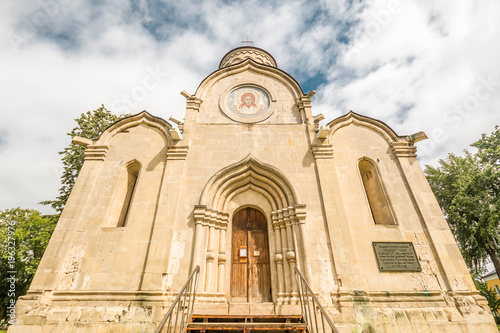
<point x="177" y="153"/>
<point x="96" y="153"/>
<point x="25" y="329"/>
<point x="322" y="151"/>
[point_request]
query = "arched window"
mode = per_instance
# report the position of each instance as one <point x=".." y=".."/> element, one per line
<point x="132" y="174"/>
<point x="379" y="205"/>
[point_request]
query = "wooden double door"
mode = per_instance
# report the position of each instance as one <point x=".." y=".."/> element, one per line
<point x="250" y="274"/>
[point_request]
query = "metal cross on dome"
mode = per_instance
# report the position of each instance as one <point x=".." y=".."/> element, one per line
<point x="247" y="42"/>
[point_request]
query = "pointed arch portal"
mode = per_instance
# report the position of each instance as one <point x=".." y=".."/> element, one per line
<point x="252" y="193"/>
<point x="250" y="272"/>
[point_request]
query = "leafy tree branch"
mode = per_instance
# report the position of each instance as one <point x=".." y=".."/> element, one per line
<point x="468" y="189"/>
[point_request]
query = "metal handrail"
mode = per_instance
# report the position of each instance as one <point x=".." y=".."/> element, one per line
<point x="308" y="304"/>
<point x="184" y="304"/>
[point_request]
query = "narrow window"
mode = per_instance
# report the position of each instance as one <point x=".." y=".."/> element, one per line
<point x="132" y="173"/>
<point x="497" y="290"/>
<point x="377" y="200"/>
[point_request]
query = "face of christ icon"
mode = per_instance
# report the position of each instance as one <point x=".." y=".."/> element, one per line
<point x="248" y="101"/>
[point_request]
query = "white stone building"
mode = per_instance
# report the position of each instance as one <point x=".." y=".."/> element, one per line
<point x="249" y="186"/>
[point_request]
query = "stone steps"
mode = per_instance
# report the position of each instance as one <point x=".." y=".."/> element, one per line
<point x="246" y="323"/>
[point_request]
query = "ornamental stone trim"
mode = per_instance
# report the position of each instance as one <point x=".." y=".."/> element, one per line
<point x="404" y="149"/>
<point x="95" y="153"/>
<point x="324" y="151"/>
<point x="240" y="54"/>
<point x="177" y="153"/>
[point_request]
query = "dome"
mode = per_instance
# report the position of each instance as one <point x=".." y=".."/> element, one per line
<point x="247" y="52"/>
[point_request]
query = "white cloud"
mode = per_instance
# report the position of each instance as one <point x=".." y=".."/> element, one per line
<point x="428" y="57"/>
<point x="407" y="63"/>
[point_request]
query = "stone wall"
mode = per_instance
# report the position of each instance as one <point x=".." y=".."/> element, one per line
<point x="305" y="179"/>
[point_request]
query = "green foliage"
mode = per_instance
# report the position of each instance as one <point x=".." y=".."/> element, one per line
<point x="490" y="294"/>
<point x="489" y="148"/>
<point x="90" y="126"/>
<point x="24" y="235"/>
<point x="467" y="188"/>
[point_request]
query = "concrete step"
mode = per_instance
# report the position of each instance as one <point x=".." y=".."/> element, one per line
<point x="246" y="323"/>
<point x="247" y="326"/>
<point x="219" y="318"/>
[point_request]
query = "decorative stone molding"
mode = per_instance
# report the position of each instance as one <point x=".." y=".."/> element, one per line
<point x="246" y="52"/>
<point x="221" y="258"/>
<point x="290" y="256"/>
<point x="324" y="151"/>
<point x="176" y="134"/>
<point x="353" y="118"/>
<point x="249" y="171"/>
<point x="193" y="103"/>
<point x="210" y="255"/>
<point x="210" y="224"/>
<point x="300" y="213"/>
<point x="138" y="119"/>
<point x="289" y="83"/>
<point x="289" y="230"/>
<point x="93" y="296"/>
<point x="78" y="140"/>
<point x="219" y="219"/>
<point x="304" y="104"/>
<point x="402" y="146"/>
<point x="288" y="216"/>
<point x="96" y="153"/>
<point x="404" y="149"/>
<point x="177" y="152"/>
<point x="287" y="219"/>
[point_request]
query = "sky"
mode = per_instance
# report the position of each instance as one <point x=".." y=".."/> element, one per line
<point x="417" y="65"/>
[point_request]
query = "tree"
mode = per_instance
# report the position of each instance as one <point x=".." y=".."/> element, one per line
<point x="90" y="126"/>
<point x="24" y="235"/>
<point x="489" y="154"/>
<point x="467" y="188"/>
<point x="491" y="296"/>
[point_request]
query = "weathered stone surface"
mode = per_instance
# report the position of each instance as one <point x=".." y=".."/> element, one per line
<point x="151" y="202"/>
<point x="86" y="315"/>
<point x="25" y="329"/>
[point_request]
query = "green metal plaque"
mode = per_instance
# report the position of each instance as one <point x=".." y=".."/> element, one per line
<point x="396" y="257"/>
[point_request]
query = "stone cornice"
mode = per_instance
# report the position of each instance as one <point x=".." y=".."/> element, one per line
<point x="210" y="217"/>
<point x="193" y="103"/>
<point x="177" y="152"/>
<point x="404" y="149"/>
<point x="323" y="151"/>
<point x="95" y="153"/>
<point x="282" y="218"/>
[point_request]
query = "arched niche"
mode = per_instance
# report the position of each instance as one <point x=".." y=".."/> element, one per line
<point x="375" y="193"/>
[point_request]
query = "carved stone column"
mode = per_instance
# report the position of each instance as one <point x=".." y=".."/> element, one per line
<point x="210" y="242"/>
<point x="300" y="212"/>
<point x="290" y="254"/>
<point x="286" y="267"/>
<point x="278" y="257"/>
<point x="199" y="216"/>
<point x="221" y="258"/>
<point x="210" y="256"/>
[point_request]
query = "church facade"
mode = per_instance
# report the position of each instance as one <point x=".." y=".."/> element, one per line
<point x="250" y="187"/>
